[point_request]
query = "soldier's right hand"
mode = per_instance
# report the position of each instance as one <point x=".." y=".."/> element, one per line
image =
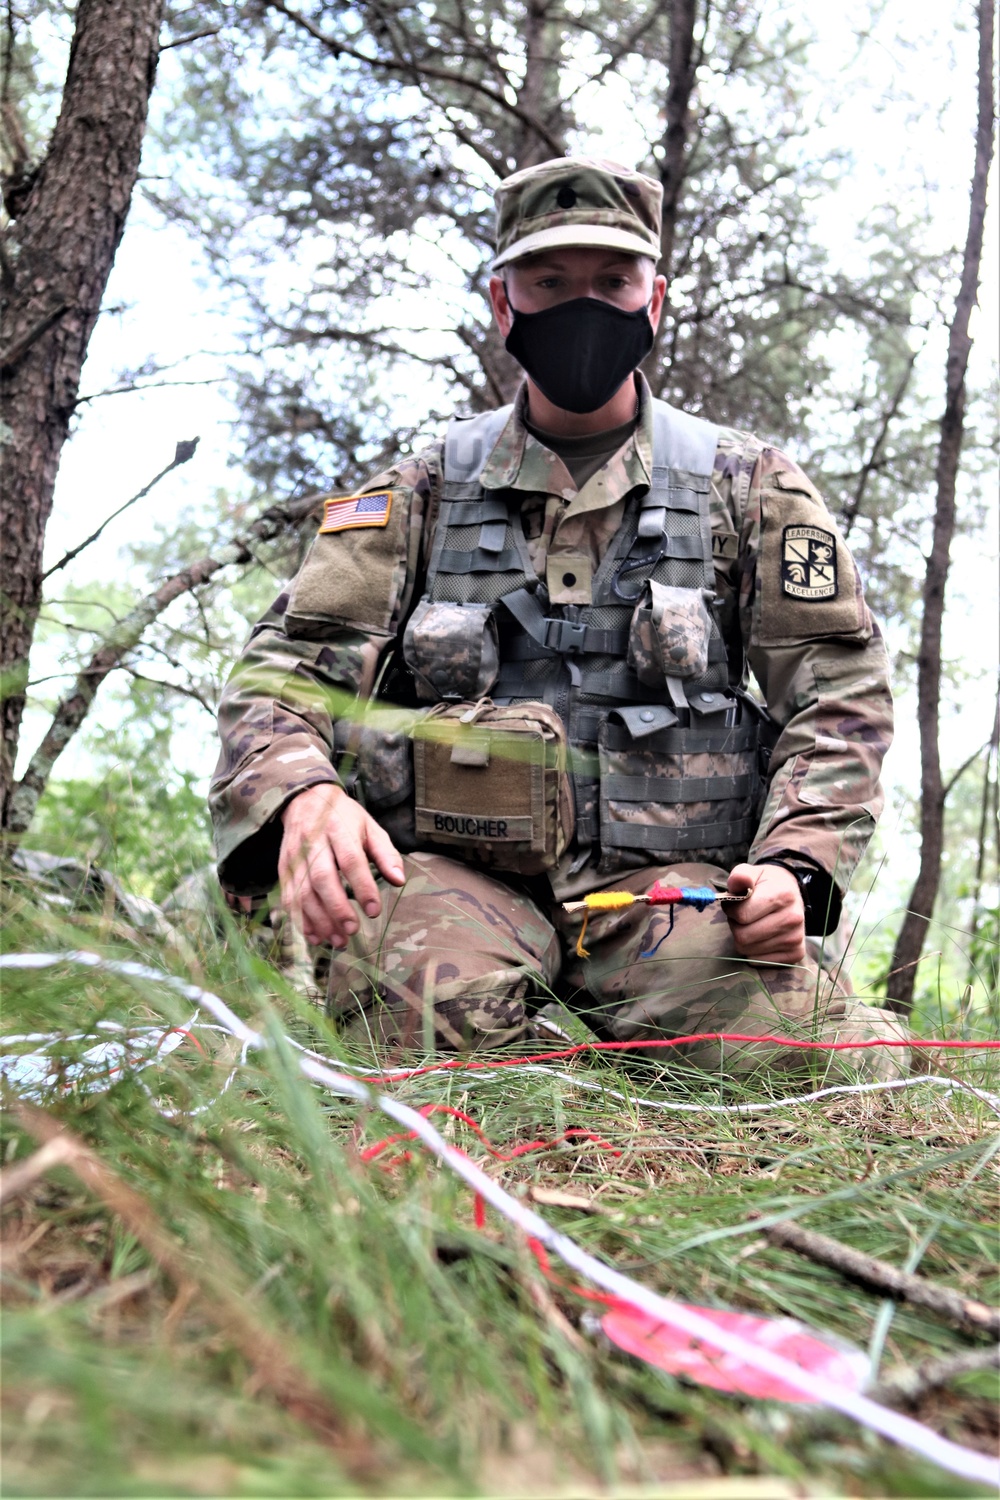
<point x="328" y="842"/>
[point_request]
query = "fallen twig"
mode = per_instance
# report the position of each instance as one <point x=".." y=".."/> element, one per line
<point x="912" y="1382"/>
<point x="15" y="1180"/>
<point x="882" y="1277"/>
<point x="225" y="1298"/>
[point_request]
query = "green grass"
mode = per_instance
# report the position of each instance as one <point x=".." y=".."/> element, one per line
<point x="450" y="1366"/>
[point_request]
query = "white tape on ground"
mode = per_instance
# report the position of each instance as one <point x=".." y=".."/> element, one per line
<point x="891" y="1424"/>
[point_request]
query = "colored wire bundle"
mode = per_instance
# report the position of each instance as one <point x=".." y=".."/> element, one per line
<point x="697" y="896"/>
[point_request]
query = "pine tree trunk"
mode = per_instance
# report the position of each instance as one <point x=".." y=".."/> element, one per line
<point x="921" y="903"/>
<point x="57" y="259"/>
<point x="682" y="71"/>
<point x="538" y="94"/>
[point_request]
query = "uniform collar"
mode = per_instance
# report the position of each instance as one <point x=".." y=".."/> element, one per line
<point x="520" y="462"/>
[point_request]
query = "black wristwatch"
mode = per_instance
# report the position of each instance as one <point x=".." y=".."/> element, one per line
<point x="820" y="896"/>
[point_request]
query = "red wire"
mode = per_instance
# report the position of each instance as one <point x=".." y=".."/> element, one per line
<point x="537" y="1249"/>
<point x="182" y="1031"/>
<point x="607" y="1299"/>
<point x="370" y="1152"/>
<point x="680" y="1041"/>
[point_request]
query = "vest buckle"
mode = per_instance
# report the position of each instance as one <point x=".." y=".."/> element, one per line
<point x="564" y="636"/>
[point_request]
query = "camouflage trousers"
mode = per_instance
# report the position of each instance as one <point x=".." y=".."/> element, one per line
<point x="459" y="959"/>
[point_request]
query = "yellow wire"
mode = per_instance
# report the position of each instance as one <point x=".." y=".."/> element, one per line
<point x="600" y="901"/>
<point x="609" y="900"/>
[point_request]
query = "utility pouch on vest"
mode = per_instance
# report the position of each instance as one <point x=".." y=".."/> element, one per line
<point x="452" y="650"/>
<point x="669" y="634"/>
<point x="373" y="756"/>
<point x="676" y="793"/>
<point x="492" y="784"/>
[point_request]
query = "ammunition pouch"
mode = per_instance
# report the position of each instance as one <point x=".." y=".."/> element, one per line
<point x="669" y="635"/>
<point x="452" y="650"/>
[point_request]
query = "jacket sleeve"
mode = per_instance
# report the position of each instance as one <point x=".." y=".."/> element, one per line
<point x="307" y="661"/>
<point x="822" y="667"/>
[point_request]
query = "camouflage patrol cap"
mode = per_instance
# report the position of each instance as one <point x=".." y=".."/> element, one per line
<point x="577" y="200"/>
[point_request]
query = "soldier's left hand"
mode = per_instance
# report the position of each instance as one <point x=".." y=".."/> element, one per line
<point x="770" y="925"/>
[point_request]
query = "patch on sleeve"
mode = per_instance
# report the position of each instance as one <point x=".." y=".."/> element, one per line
<point x="348" y="512"/>
<point x="807" y="586"/>
<point x="355" y="568"/>
<point x="808" y="563"/>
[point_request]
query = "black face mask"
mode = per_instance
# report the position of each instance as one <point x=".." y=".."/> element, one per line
<point x="578" y="353"/>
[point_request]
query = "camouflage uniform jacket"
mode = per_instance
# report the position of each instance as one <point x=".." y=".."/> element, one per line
<point x="816" y="654"/>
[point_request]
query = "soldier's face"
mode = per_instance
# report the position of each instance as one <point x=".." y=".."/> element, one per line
<point x="543" y="281"/>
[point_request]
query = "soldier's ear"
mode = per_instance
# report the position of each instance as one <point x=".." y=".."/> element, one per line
<point x="501" y="305"/>
<point x="656" y="297"/>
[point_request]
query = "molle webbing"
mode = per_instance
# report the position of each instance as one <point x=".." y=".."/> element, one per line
<point x="690" y="786"/>
<point x="479" y="551"/>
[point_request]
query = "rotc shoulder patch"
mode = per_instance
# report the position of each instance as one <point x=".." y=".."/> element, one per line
<point x="808" y="563"/>
<point x="346" y="512"/>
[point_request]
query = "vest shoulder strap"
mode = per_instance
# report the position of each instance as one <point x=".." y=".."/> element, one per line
<point x="683" y="442"/>
<point x="469" y="443"/>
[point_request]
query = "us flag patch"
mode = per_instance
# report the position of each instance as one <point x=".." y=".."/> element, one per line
<point x="808" y="563"/>
<point x="349" y="511"/>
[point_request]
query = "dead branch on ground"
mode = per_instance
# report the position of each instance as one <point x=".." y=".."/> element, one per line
<point x="878" y="1275"/>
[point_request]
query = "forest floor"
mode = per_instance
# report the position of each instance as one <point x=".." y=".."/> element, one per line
<point x="215" y="1291"/>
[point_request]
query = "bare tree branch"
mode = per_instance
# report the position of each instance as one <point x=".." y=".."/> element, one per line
<point x="881" y="1276"/>
<point x="74" y="706"/>
<point x="990" y="779"/>
<point x="183" y="452"/>
<point x="873" y="462"/>
<point x="184" y="689"/>
<point x="909" y="1384"/>
<point x="10" y="357"/>
<point x="192" y="36"/>
<point x="969" y="761"/>
<point x="620" y="50"/>
<point x="132" y="388"/>
<point x="423" y="69"/>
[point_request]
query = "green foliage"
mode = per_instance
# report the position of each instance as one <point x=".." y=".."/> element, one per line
<point x="34" y="47"/>
<point x="135" y="814"/>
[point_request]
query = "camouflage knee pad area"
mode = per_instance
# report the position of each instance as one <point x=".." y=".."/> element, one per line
<point x="457" y="959"/>
<point x="450" y="962"/>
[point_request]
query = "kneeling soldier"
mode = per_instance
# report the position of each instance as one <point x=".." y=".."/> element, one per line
<point x="569" y="594"/>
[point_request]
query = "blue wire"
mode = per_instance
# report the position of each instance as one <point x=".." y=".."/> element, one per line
<point x="698" y="896"/>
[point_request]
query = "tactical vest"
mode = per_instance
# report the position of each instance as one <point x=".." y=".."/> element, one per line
<point x="662" y="772"/>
